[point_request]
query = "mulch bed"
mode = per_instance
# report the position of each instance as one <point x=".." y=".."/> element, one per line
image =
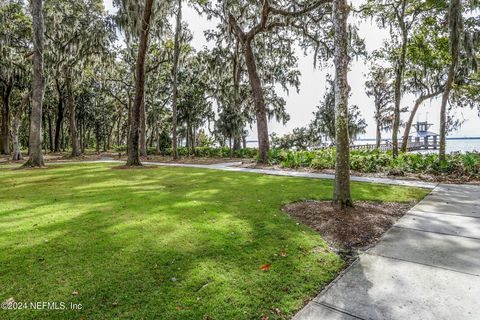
<point x="347" y="231"/>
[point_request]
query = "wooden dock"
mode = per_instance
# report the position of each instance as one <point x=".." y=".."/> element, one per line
<point x="411" y="146"/>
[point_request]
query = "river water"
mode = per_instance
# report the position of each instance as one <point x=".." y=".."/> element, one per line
<point x="455" y="145"/>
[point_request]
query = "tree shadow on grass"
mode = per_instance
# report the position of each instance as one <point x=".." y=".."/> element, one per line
<point x="161" y="252"/>
<point x="163" y="243"/>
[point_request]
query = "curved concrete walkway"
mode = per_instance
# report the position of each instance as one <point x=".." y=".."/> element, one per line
<point x="234" y="166"/>
<point x="426" y="267"/>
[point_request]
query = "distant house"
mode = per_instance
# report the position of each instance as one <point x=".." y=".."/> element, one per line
<point x="428" y="139"/>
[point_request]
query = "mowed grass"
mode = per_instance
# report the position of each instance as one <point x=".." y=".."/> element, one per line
<point x="163" y="243"/>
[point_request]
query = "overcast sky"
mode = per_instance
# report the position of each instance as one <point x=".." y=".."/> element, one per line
<point x="301" y="105"/>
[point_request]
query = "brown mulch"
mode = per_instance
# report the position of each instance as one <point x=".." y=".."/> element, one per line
<point x="351" y="229"/>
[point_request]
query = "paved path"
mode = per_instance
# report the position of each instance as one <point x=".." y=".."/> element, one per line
<point x="234" y="166"/>
<point x="426" y="267"/>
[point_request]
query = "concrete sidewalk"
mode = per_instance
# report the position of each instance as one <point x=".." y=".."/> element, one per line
<point x="234" y="166"/>
<point x="426" y="267"/>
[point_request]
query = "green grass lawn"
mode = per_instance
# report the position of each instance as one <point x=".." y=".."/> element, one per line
<point x="163" y="243"/>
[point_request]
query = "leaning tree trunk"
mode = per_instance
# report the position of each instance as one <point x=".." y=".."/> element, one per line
<point x="176" y="56"/>
<point x="341" y="197"/>
<point x="133" y="138"/>
<point x="399" y="71"/>
<point x="38" y="84"/>
<point x="454" y="18"/>
<point x="260" y="109"/>
<point x="74" y="143"/>
<point x="408" y="125"/>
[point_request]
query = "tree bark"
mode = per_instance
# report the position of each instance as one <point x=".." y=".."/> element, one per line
<point x="38" y="87"/>
<point x="97" y="137"/>
<point x="237" y="143"/>
<point x="133" y="138"/>
<point x="399" y="79"/>
<point x="50" y="132"/>
<point x="454" y="21"/>
<point x="119" y="129"/>
<point x="260" y="109"/>
<point x="408" y="125"/>
<point x="176" y="56"/>
<point x="17" y="155"/>
<point x="5" y="127"/>
<point x="378" y="140"/>
<point x="143" y="130"/>
<point x="59" y="120"/>
<point x="341" y="197"/>
<point x="74" y="144"/>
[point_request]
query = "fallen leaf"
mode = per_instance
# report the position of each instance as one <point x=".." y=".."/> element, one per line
<point x="265" y="267"/>
<point x="75" y="293"/>
<point x="283" y="253"/>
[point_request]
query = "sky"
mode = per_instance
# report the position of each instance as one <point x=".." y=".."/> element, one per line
<point x="301" y="105"/>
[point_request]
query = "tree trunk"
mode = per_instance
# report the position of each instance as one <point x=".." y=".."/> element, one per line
<point x="133" y="138"/>
<point x="119" y="129"/>
<point x="237" y="143"/>
<point x="5" y="127"/>
<point x="176" y="56"/>
<point x="72" y="119"/>
<point x="378" y="140"/>
<point x="408" y="125"/>
<point x="400" y="68"/>
<point x="82" y="141"/>
<point x="50" y="133"/>
<point x="143" y="131"/>
<point x="341" y="197"/>
<point x="59" y="121"/>
<point x="454" y="21"/>
<point x="17" y="155"/>
<point x="38" y="87"/>
<point x="260" y="110"/>
<point x="192" y="139"/>
<point x="97" y="137"/>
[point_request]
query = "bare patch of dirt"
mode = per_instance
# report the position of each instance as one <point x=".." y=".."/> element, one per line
<point x="347" y="231"/>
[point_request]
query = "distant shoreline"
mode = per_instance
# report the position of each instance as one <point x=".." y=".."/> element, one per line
<point x="464" y="138"/>
<point x="448" y="138"/>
